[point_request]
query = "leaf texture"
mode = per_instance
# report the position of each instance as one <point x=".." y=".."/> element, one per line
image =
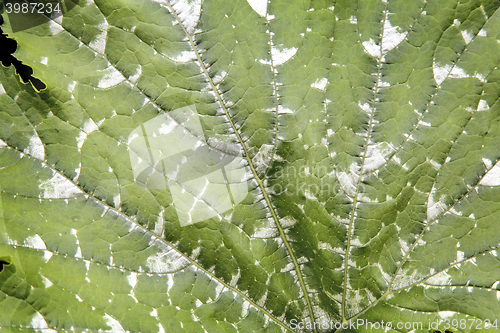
<point x="365" y="134"/>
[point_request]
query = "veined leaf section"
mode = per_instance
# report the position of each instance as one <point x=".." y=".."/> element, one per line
<point x="370" y="130"/>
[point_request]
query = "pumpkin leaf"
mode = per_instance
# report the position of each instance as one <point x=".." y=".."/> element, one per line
<point x="252" y="166"/>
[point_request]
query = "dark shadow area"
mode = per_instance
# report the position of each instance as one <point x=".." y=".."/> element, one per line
<point x="7" y="48"/>
<point x="4" y="261"/>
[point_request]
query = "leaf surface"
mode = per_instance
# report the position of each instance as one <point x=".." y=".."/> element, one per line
<point x="362" y="134"/>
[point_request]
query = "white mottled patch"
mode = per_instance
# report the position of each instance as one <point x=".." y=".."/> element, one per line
<point x="467" y="36"/>
<point x="404" y="246"/>
<point x="376" y="156"/>
<point x="159" y="225"/>
<point x="244" y="309"/>
<point x="117" y="200"/>
<point x="11" y="241"/>
<point x="320" y="84"/>
<point x="166" y="262"/>
<point x="111" y="77"/>
<point x="55" y="28"/>
<point x="132" y="279"/>
<point x="434" y="164"/>
<point x="46" y="282"/>
<point x="265" y="233"/>
<point x="365" y="107"/>
<point x="99" y="43"/>
<point x="39" y="323"/>
<point x="134" y="78"/>
<point x="487" y="163"/>
<point x="44" y="60"/>
<point x="455" y="212"/>
<point x="116" y="327"/>
<point x="184" y="56"/>
<point x="480" y="77"/>
<point x="391" y="38"/>
<point x="77" y="171"/>
<point x="458" y="73"/>
<point x="2" y="90"/>
<point x="90" y="126"/>
<point x="218" y="290"/>
<point x="383" y="84"/>
<point x="349" y="180"/>
<point x="284" y="110"/>
<point x="163" y="129"/>
<point x="353" y="19"/>
<point x="71" y="86"/>
<point x="259" y="6"/>
<point x="47" y="255"/>
<point x="356" y="242"/>
<point x="434" y="208"/>
<point x="35" y="242"/>
<point x="219" y="77"/>
<point x="154" y="313"/>
<point x="440" y="279"/>
<point x="198" y="303"/>
<point x="440" y="73"/>
<point x="78" y="253"/>
<point x="372" y="48"/>
<point x="482" y="106"/>
<point x="287" y="222"/>
<point x="35" y="148"/>
<point x="446" y="314"/>
<point x="460" y="256"/>
<point x="280" y="56"/>
<point x="309" y="195"/>
<point x="188" y="12"/>
<point x="263" y="157"/>
<point x="482" y="33"/>
<point x="59" y="187"/>
<point x="492" y="178"/>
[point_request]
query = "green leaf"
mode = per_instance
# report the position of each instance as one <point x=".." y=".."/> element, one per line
<point x="253" y="166"/>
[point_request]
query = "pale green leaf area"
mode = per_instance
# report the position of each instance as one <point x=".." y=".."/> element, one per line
<point x="369" y="136"/>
